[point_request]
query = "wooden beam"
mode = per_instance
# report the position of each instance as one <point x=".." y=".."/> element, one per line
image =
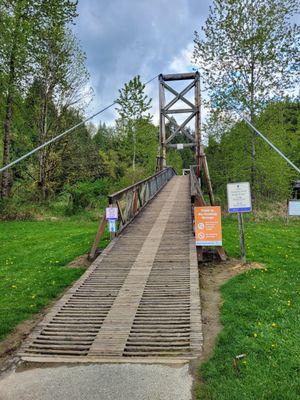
<point x="135" y="202"/>
<point x="120" y="212"/>
<point x="98" y="236"/>
<point x="208" y="180"/>
<point x="174" y="145"/>
<point x="162" y="126"/>
<point x="178" y="129"/>
<point x="179" y="111"/>
<point x="221" y="253"/>
<point x="198" y="138"/>
<point x="173" y="91"/>
<point x="179" y="77"/>
<point x="184" y="131"/>
<point x="179" y="95"/>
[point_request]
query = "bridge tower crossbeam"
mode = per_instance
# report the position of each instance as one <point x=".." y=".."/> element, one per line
<point x="193" y="111"/>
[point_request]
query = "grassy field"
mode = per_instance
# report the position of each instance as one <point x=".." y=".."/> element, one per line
<point x="33" y="256"/>
<point x="260" y="314"/>
<point x="261" y="318"/>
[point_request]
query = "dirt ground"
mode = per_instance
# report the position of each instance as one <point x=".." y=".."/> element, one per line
<point x="212" y="276"/>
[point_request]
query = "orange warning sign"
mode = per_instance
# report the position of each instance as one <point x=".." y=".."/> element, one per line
<point x="208" y="230"/>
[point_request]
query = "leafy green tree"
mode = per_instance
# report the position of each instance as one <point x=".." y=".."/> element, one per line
<point x="60" y="71"/>
<point x="133" y="106"/>
<point x="229" y="157"/>
<point x="248" y="55"/>
<point x="16" y="27"/>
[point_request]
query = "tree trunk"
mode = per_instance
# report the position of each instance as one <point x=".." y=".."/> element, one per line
<point x="42" y="153"/>
<point x="6" y="181"/>
<point x="6" y="175"/>
<point x="253" y="159"/>
<point x="253" y="135"/>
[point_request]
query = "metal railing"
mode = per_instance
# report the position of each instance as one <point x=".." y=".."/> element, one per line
<point x="131" y="200"/>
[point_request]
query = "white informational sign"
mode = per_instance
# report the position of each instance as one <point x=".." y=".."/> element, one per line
<point x="111" y="213"/>
<point x="112" y="225"/>
<point x="239" y="197"/>
<point x="179" y="146"/>
<point x="294" y="207"/>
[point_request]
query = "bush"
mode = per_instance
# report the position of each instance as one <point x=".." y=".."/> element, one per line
<point x="11" y="209"/>
<point x="87" y="194"/>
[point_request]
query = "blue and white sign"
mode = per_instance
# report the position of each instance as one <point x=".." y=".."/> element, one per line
<point x="112" y="226"/>
<point x="294" y="208"/>
<point x="239" y="197"/>
<point x="111" y="213"/>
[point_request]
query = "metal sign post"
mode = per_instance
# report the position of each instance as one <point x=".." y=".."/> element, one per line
<point x="242" y="238"/>
<point x="239" y="201"/>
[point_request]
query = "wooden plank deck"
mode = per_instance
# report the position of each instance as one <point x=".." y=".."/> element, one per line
<point x="139" y="301"/>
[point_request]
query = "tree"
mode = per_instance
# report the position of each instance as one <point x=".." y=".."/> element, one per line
<point x="133" y="105"/>
<point x="248" y="55"/>
<point x="230" y="159"/>
<point x="15" y="60"/>
<point x="60" y="73"/>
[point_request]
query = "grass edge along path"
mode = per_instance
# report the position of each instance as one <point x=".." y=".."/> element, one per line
<point x="260" y="317"/>
<point x="33" y="259"/>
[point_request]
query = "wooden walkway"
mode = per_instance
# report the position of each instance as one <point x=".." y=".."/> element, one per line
<point x="139" y="301"/>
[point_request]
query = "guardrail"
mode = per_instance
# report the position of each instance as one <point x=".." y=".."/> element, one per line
<point x="131" y="200"/>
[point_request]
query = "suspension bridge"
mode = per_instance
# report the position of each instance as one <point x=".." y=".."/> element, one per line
<point x="139" y="300"/>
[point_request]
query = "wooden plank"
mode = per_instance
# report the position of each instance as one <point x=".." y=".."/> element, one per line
<point x="98" y="236"/>
<point x="134" y="302"/>
<point x="178" y="77"/>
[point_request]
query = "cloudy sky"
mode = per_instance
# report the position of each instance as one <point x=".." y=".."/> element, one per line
<point x="123" y="38"/>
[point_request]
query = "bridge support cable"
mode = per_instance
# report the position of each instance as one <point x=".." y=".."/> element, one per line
<point x="278" y="151"/>
<point x="58" y="137"/>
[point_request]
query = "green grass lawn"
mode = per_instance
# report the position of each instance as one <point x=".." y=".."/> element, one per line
<point x="260" y="317"/>
<point x="33" y="256"/>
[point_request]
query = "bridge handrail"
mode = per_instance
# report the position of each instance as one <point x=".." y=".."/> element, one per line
<point x="196" y="192"/>
<point x="131" y="200"/>
<point x="137" y="185"/>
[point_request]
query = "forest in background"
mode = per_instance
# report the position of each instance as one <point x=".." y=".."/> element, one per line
<point x="44" y="90"/>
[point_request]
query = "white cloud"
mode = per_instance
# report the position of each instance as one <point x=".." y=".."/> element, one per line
<point x="183" y="61"/>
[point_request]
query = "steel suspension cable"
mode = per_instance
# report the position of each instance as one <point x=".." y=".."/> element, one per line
<point x="269" y="142"/>
<point x="63" y="133"/>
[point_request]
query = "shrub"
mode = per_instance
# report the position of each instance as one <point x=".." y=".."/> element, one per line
<point x="86" y="194"/>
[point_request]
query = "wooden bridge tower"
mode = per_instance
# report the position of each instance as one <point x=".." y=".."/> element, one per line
<point x="193" y="111"/>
